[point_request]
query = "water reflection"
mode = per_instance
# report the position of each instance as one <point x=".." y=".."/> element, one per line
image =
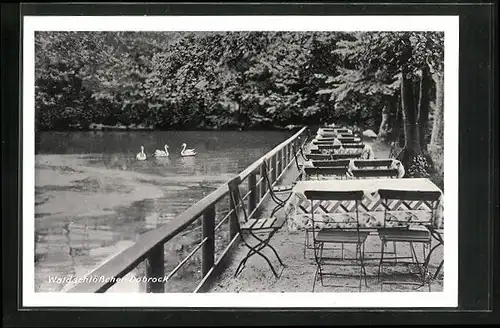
<point x="93" y="198"/>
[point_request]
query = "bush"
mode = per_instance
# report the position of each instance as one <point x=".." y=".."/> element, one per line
<point x="437" y="175"/>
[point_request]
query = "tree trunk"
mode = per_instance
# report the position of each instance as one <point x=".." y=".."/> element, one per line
<point x="412" y="142"/>
<point x="438" y="124"/>
<point x="423" y="108"/>
<point x="384" y="125"/>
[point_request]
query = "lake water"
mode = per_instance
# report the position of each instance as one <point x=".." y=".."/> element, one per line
<point x="94" y="199"/>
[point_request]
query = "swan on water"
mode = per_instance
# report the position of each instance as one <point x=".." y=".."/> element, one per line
<point x="187" y="152"/>
<point x="141" y="156"/>
<point x="162" y="153"/>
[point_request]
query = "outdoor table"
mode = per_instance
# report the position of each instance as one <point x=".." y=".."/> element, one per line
<point x="366" y="152"/>
<point x="334" y="131"/>
<point x="371" y="210"/>
<point x="336" y="214"/>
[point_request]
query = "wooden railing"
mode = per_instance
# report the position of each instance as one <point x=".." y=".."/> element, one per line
<point x="151" y="246"/>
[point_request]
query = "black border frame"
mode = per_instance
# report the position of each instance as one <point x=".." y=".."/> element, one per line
<point x="478" y="195"/>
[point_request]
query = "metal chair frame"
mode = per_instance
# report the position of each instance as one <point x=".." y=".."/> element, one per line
<point x="270" y="225"/>
<point x="342" y="236"/>
<point x="404" y="233"/>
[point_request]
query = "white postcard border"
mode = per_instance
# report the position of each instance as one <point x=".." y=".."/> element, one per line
<point x="449" y="24"/>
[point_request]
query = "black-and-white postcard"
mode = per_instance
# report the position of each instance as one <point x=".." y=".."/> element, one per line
<point x="240" y="161"/>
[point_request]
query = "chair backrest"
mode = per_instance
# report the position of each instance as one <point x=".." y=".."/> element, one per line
<point x="346" y="135"/>
<point x="316" y="172"/>
<point x="373" y="163"/>
<point x="328" y="146"/>
<point x="375" y="173"/>
<point x="354" y="146"/>
<point x="343" y="131"/>
<point x="320" y="139"/>
<point x="404" y="206"/>
<point x="236" y="198"/>
<point x="348" y="141"/>
<point x="395" y="194"/>
<point x="323" y="142"/>
<point x="347" y="219"/>
<point x="312" y="156"/>
<point x="345" y="156"/>
<point x="336" y="163"/>
<point x="352" y="195"/>
<point x="316" y="151"/>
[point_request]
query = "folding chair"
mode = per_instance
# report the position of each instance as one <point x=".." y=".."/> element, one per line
<point x="274" y="190"/>
<point x="318" y="173"/>
<point x="401" y="231"/>
<point x="322" y="235"/>
<point x="252" y="227"/>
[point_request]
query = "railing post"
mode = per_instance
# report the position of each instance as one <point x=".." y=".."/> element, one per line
<point x="263" y="183"/>
<point x="233" y="219"/>
<point x="208" y="249"/>
<point x="252" y="187"/>
<point x="280" y="162"/>
<point x="273" y="167"/>
<point x="155" y="270"/>
<point x="287" y="154"/>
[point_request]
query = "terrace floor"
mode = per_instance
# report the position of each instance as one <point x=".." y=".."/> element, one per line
<point x="299" y="272"/>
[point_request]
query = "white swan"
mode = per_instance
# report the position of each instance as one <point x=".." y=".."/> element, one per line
<point x="162" y="153"/>
<point x="141" y="156"/>
<point x="187" y="152"/>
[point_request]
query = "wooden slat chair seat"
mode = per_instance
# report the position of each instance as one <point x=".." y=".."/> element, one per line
<point x="341" y="236"/>
<point x="348" y="237"/>
<point x="400" y="201"/>
<point x="391" y="234"/>
<point x="252" y="227"/>
<point x="263" y="224"/>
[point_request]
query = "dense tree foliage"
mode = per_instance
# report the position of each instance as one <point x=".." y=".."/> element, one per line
<point x="391" y="82"/>
<point x="184" y="80"/>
